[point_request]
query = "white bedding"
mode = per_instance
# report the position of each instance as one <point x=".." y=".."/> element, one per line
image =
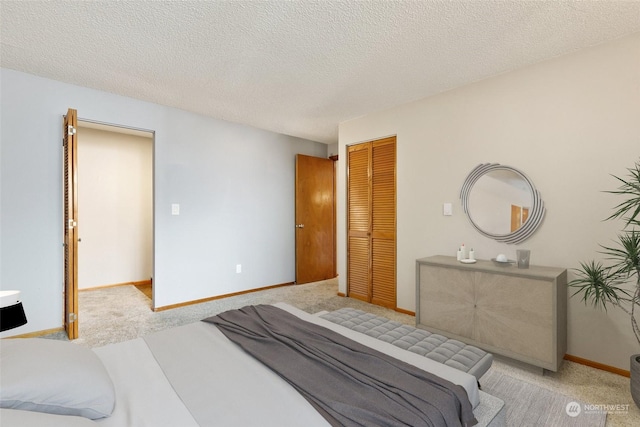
<point x="193" y="375"/>
<point x="144" y="396"/>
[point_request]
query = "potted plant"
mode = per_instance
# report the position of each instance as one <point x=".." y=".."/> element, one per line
<point x="602" y="285"/>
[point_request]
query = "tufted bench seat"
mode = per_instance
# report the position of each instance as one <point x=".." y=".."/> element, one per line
<point x="451" y="352"/>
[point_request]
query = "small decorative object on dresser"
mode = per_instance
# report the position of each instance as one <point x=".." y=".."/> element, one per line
<point x="520" y="314"/>
<point x="523" y="256"/>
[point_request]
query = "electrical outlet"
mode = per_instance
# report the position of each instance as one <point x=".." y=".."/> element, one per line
<point x="447" y="209"/>
<point x="238" y="268"/>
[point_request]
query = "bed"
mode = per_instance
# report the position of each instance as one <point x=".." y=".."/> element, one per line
<point x="191" y="375"/>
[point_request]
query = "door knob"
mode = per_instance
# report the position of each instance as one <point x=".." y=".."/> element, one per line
<point x="299" y="225"/>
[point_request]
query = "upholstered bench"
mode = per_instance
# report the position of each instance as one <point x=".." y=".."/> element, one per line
<point x="450" y="352"/>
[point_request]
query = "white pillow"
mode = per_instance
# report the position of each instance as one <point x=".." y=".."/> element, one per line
<point x="56" y="377"/>
<point x="16" y="418"/>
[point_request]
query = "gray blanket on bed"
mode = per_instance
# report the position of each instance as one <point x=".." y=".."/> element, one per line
<point x="348" y="383"/>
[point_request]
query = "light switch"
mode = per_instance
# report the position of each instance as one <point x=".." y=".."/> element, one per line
<point x="447" y="209"/>
<point x="175" y="209"/>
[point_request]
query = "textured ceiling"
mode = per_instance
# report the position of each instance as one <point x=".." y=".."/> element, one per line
<point x="296" y="67"/>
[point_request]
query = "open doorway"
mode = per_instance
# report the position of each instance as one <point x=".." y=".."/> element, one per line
<point x="115" y="207"/>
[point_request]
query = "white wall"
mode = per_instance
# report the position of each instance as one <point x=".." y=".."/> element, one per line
<point x="332" y="149"/>
<point x="115" y="199"/>
<point x="567" y="123"/>
<point x="234" y="183"/>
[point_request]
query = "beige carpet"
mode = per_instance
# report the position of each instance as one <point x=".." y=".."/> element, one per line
<point x="110" y="315"/>
<point x="530" y="405"/>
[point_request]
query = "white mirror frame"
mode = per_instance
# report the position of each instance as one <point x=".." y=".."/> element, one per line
<point x="536" y="213"/>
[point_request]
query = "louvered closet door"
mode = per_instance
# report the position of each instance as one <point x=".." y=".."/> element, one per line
<point x="359" y="225"/>
<point x="371" y="255"/>
<point x="383" y="226"/>
<point x="70" y="190"/>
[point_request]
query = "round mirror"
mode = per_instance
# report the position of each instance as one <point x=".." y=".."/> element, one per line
<point x="501" y="203"/>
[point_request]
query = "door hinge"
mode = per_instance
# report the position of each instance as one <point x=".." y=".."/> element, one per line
<point x="72" y="223"/>
<point x="71" y="130"/>
<point x="72" y="317"/>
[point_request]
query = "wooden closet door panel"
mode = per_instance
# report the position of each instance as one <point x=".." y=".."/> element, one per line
<point x="359" y="191"/>
<point x="383" y="272"/>
<point x="383" y="186"/>
<point x="359" y="223"/>
<point x="371" y="210"/>
<point x="70" y="194"/>
<point x="359" y="273"/>
<point x="383" y="222"/>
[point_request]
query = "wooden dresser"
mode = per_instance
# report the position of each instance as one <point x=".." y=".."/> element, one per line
<point x="517" y="313"/>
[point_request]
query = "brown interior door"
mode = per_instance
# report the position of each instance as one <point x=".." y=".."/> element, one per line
<point x="70" y="190"/>
<point x="371" y="222"/>
<point x="519" y="216"/>
<point x="315" y="219"/>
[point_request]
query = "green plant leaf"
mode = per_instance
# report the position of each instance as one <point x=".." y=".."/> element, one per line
<point x="599" y="285"/>
<point x="626" y="255"/>
<point x="629" y="210"/>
